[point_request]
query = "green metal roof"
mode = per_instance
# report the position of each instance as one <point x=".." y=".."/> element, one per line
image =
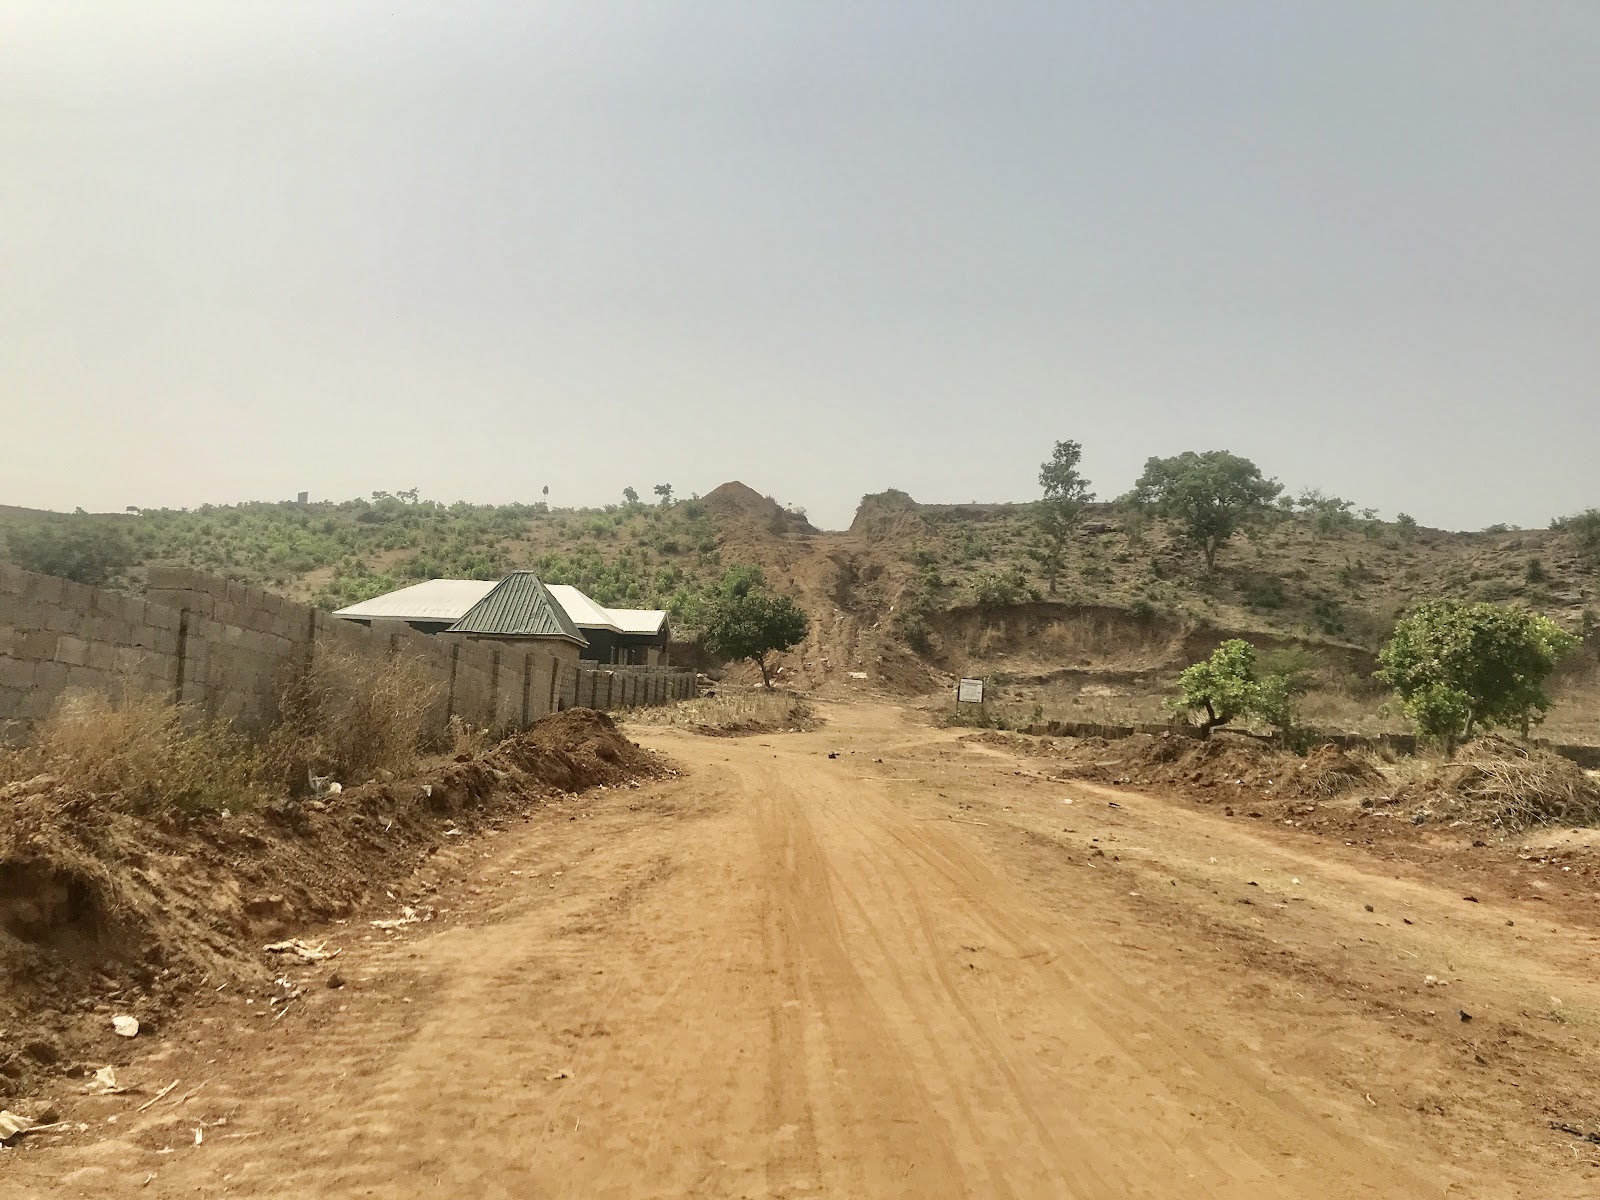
<point x="519" y="606"/>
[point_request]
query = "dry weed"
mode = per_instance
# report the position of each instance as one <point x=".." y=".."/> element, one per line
<point x="350" y="717"/>
<point x="466" y="739"/>
<point x="146" y="750"/>
<point x="1504" y="786"/>
<point x="1518" y="792"/>
<point x="729" y="711"/>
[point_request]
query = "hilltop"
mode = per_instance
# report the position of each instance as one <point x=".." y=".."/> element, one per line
<point x="910" y="594"/>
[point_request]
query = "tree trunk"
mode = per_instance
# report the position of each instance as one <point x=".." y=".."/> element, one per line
<point x="1212" y="720"/>
<point x="766" y="676"/>
<point x="1211" y="554"/>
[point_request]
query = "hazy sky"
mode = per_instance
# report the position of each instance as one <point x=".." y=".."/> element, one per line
<point x="825" y="248"/>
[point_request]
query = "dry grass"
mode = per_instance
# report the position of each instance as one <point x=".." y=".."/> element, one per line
<point x="351" y="717"/>
<point x="1499" y="784"/>
<point x="1515" y="790"/>
<point x="730" y="712"/>
<point x="147" y="751"/>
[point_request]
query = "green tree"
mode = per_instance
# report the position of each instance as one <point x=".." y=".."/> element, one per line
<point x="631" y="496"/>
<point x="1230" y="685"/>
<point x="1407" y="525"/>
<point x="81" y="552"/>
<point x="1066" y="492"/>
<point x="1209" y="496"/>
<point x="1458" y="667"/>
<point x="664" y="490"/>
<point x="741" y="618"/>
<point x="1329" y="514"/>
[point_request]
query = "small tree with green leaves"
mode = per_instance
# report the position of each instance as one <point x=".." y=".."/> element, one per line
<point x="630" y="495"/>
<point x="1230" y="685"/>
<point x="1059" y="513"/>
<point x="1459" y="667"/>
<point x="664" y="490"/>
<point x="1207" y="496"/>
<point x="741" y="619"/>
<point x="1329" y="514"/>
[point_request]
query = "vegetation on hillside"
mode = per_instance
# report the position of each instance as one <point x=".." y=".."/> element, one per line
<point x="629" y="554"/>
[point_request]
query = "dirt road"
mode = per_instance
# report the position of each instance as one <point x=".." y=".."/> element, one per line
<point x="910" y="970"/>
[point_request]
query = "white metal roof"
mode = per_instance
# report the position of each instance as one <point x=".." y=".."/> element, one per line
<point x="585" y="613"/>
<point x="435" y="600"/>
<point x="449" y="600"/>
<point x="638" y="620"/>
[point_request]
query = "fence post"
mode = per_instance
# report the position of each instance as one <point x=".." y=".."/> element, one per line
<point x="527" y="687"/>
<point x="455" y="659"/>
<point x="183" y="653"/>
<point x="494" y="687"/>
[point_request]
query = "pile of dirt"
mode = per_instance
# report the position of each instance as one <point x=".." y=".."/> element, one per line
<point x="108" y="910"/>
<point x="1328" y="772"/>
<point x="1505" y="786"/>
<point x="573" y="750"/>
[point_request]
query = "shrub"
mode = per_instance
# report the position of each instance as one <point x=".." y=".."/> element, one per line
<point x="1260" y="590"/>
<point x="994" y="589"/>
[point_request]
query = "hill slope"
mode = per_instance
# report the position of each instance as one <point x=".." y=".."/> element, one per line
<point x="909" y="595"/>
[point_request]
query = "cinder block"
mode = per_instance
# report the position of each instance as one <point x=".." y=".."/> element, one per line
<point x="49" y="677"/>
<point x="47" y="588"/>
<point x="102" y="656"/>
<point x="17" y="673"/>
<point x="160" y="616"/>
<point x="37" y="644"/>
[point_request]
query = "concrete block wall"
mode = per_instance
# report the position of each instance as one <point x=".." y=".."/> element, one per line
<point x="56" y="635"/>
<point x="228" y="650"/>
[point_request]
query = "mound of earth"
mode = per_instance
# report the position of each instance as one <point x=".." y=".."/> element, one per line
<point x="1506" y="786"/>
<point x="105" y="910"/>
<point x="1328" y="772"/>
<point x="738" y="500"/>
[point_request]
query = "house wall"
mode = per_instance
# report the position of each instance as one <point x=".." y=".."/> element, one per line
<point x="228" y="650"/>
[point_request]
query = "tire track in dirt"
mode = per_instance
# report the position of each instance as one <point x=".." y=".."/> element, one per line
<point x="774" y="977"/>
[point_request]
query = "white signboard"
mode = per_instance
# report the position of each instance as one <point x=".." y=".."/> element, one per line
<point x="969" y="691"/>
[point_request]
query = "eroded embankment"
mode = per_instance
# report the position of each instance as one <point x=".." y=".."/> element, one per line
<point x="106" y="909"/>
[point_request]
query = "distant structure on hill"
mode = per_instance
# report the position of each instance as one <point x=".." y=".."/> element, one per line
<point x="522" y="608"/>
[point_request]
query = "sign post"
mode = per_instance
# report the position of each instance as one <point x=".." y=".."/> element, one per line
<point x="969" y="691"/>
